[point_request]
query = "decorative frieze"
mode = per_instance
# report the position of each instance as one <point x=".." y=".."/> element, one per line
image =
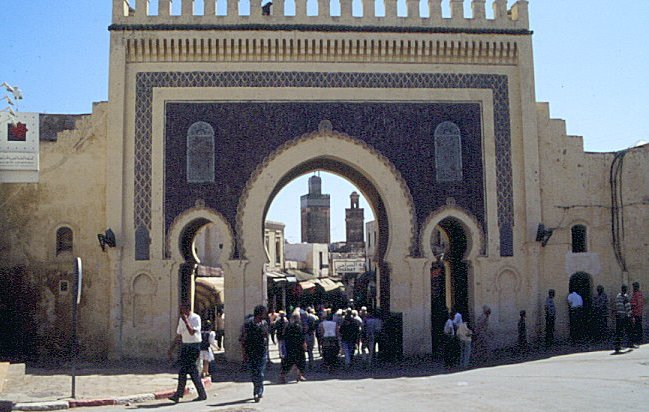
<point x="319" y="48"/>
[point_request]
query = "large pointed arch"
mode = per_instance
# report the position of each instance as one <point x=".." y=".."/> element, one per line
<point x="338" y="153"/>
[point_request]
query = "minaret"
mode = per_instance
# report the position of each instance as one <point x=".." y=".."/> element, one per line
<point x="354" y="221"/>
<point x="315" y="211"/>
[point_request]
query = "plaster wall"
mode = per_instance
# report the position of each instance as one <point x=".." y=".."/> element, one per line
<point x="70" y="193"/>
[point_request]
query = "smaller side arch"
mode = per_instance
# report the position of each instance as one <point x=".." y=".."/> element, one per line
<point x="60" y="233"/>
<point x="473" y="229"/>
<point x="197" y="216"/>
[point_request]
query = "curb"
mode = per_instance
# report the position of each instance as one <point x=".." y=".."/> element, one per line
<point x="119" y="400"/>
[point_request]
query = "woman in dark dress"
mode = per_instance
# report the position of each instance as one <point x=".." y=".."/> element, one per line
<point x="295" y="347"/>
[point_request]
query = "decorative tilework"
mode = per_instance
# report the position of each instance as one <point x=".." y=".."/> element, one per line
<point x="498" y="84"/>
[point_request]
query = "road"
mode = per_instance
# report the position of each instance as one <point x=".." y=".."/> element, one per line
<point x="590" y="381"/>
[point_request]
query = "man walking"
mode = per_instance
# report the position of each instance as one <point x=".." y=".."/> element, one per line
<point x="189" y="333"/>
<point x="550" y="317"/>
<point x="575" y="304"/>
<point x="254" y="342"/>
<point x="637" y="306"/>
<point x="622" y="318"/>
<point x="600" y="314"/>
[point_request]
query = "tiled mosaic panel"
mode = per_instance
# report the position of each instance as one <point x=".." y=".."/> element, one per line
<point x="147" y="81"/>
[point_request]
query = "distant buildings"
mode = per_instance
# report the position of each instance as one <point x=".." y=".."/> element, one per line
<point x="315" y="212"/>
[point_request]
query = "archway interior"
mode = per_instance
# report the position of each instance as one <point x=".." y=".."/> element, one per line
<point x="369" y="191"/>
<point x="581" y="283"/>
<point x="449" y="275"/>
<point x="201" y="278"/>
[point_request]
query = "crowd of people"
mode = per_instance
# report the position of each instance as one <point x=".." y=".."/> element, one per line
<point x="593" y="324"/>
<point x="333" y="333"/>
<point x="347" y="334"/>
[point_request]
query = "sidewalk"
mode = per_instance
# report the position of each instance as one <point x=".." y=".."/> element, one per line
<point x="107" y="383"/>
<point x="126" y="382"/>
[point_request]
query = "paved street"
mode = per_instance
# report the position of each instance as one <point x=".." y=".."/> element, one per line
<point x="589" y="381"/>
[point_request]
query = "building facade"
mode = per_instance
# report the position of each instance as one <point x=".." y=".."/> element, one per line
<point x="433" y="117"/>
<point x="315" y="211"/>
<point x="354" y="223"/>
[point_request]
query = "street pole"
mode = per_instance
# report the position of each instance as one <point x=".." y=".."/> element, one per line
<point x="78" y="276"/>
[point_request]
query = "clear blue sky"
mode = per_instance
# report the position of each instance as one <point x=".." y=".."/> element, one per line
<point x="591" y="60"/>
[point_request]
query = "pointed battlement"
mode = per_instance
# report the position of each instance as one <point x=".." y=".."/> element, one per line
<point x="405" y="14"/>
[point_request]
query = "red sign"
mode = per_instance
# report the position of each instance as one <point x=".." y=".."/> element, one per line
<point x="17" y="132"/>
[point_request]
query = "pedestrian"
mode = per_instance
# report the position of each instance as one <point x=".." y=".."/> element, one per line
<point x="310" y="332"/>
<point x="464" y="336"/>
<point x="254" y="342"/>
<point x="449" y="342"/>
<point x="522" y="332"/>
<point x="482" y="335"/>
<point x="373" y="327"/>
<point x="575" y="305"/>
<point x="349" y="333"/>
<point x="600" y="314"/>
<point x="637" y="306"/>
<point x="189" y="334"/>
<point x="550" y="317"/>
<point x="220" y="328"/>
<point x="295" y="348"/>
<point x="279" y="326"/>
<point x="208" y="338"/>
<point x="272" y="318"/>
<point x="622" y="319"/>
<point x="329" y="330"/>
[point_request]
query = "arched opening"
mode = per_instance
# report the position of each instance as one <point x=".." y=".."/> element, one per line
<point x="203" y="243"/>
<point x="578" y="239"/>
<point x="340" y="267"/>
<point x="449" y="275"/>
<point x="369" y="171"/>
<point x="315" y="244"/>
<point x="581" y="283"/>
<point x="64" y="240"/>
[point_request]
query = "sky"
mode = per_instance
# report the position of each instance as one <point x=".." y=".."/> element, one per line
<point x="591" y="65"/>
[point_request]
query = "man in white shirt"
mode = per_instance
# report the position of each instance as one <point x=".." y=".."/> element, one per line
<point x="189" y="333"/>
<point x="576" y="305"/>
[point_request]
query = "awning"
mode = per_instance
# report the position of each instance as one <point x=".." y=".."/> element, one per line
<point x="307" y="284"/>
<point x="301" y="275"/>
<point x="208" y="292"/>
<point x="328" y="285"/>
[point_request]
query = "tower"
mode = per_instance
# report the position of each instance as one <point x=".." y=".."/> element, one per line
<point x="315" y="211"/>
<point x="354" y="219"/>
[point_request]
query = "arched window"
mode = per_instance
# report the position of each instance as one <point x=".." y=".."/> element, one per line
<point x="578" y="233"/>
<point x="64" y="240"/>
<point x="448" y="152"/>
<point x="200" y="153"/>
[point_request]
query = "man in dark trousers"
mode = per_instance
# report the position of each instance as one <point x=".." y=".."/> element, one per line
<point x="254" y="342"/>
<point x="189" y="333"/>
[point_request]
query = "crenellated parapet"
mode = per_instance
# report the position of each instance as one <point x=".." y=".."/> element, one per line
<point x="407" y="15"/>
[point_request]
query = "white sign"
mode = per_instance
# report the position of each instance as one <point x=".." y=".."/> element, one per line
<point x="349" y="266"/>
<point x="19" y="147"/>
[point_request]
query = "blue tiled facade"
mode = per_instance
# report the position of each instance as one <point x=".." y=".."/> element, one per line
<point x="246" y="133"/>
